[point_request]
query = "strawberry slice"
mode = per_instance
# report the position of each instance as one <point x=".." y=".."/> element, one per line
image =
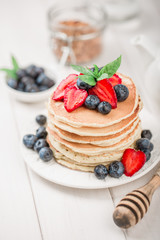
<point x="115" y="79"/>
<point x="59" y="92"/>
<point x="105" y="91"/>
<point x="74" y="98"/>
<point x="133" y="161"/>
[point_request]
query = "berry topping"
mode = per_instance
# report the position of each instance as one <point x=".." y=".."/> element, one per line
<point x="115" y="79"/>
<point x="133" y="161"/>
<point x="148" y="154"/>
<point x="74" y="98"/>
<point x="143" y="144"/>
<point x="46" y="154"/>
<point x="83" y="85"/>
<point x="116" y="169"/>
<point x="59" y="92"/>
<point x="40" y="144"/>
<point x="104" y="107"/>
<point x="104" y="90"/>
<point x="122" y="92"/>
<point x="100" y="171"/>
<point x="41" y="132"/>
<point x="92" y="102"/>
<point x="146" y="134"/>
<point x="29" y="140"/>
<point x="41" y="119"/>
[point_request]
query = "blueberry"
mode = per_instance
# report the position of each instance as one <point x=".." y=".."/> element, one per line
<point x="143" y="144"/>
<point x="27" y="80"/>
<point x="146" y="134"/>
<point x="39" y="70"/>
<point x="31" y="88"/>
<point x="148" y="154"/>
<point x="21" y="86"/>
<point x="122" y="92"/>
<point x="13" y="83"/>
<point x="29" y="140"/>
<point x="43" y="88"/>
<point x="41" y="132"/>
<point x="100" y="171"/>
<point x="31" y="71"/>
<point x="83" y="85"/>
<point x="46" y="154"/>
<point x="41" y="119"/>
<point x="21" y="73"/>
<point x="92" y="102"/>
<point x="104" y="107"/>
<point x="151" y="147"/>
<point x="116" y="169"/>
<point x="99" y="69"/>
<point x="40" y="144"/>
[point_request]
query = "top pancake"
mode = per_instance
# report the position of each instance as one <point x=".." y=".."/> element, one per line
<point x="85" y="117"/>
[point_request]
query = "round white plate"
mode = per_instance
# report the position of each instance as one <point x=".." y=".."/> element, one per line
<point x="56" y="173"/>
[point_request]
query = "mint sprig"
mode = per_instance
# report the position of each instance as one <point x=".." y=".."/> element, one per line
<point x="91" y="77"/>
<point x="11" y="72"/>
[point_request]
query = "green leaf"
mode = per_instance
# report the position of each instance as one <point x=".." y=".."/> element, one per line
<point x="111" y="68"/>
<point x="103" y="76"/>
<point x="96" y="69"/>
<point x="88" y="79"/>
<point x="10" y="72"/>
<point x="90" y="72"/>
<point x="83" y="70"/>
<point x="15" y="64"/>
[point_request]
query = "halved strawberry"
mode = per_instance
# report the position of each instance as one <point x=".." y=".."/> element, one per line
<point x="59" y="92"/>
<point x="115" y="79"/>
<point x="105" y="91"/>
<point x="74" y="98"/>
<point x="133" y="161"/>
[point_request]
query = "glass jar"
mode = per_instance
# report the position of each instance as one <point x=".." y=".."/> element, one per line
<point x="76" y="32"/>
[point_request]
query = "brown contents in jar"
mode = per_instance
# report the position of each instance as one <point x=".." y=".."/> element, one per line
<point x="83" y="50"/>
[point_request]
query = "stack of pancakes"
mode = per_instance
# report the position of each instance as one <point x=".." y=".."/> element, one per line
<point x="85" y="138"/>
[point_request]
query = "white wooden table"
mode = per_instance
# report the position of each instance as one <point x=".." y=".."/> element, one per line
<point x="32" y="208"/>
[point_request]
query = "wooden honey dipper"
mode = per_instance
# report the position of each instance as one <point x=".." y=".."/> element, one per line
<point x="134" y="205"/>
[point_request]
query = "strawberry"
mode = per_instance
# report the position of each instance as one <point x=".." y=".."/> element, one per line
<point x="74" y="98"/>
<point x="115" y="79"/>
<point x="133" y="161"/>
<point x="105" y="91"/>
<point x="59" y="92"/>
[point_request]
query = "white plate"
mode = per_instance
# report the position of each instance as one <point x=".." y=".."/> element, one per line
<point x="56" y="173"/>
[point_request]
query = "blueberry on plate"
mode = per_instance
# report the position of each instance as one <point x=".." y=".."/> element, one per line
<point x="46" y="154"/>
<point x="31" y="71"/>
<point x="122" y="92"/>
<point x="83" y="85"/>
<point x="27" y="80"/>
<point x="21" y="73"/>
<point x="143" y="144"/>
<point x="148" y="154"/>
<point x="151" y="147"/>
<point x="31" y="88"/>
<point x="29" y="140"/>
<point x="100" y="171"/>
<point x="39" y="70"/>
<point x="104" y="107"/>
<point x="40" y="143"/>
<point x="92" y="102"/>
<point x="116" y="169"/>
<point x="13" y="83"/>
<point x="41" y="119"/>
<point x="146" y="134"/>
<point x="41" y="132"/>
<point x="21" y="86"/>
<point x="42" y="88"/>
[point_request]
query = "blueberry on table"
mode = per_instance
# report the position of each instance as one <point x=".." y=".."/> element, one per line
<point x="41" y="119"/>
<point x="29" y="140"/>
<point x="83" y="85"/>
<point x="31" y="71"/>
<point x="13" y="83"/>
<point x="116" y="169"/>
<point x="27" y="80"/>
<point x="31" y="88"/>
<point x="92" y="102"/>
<point x="46" y="154"/>
<point x="104" y="107"/>
<point x="40" y="143"/>
<point x="41" y="132"/>
<point x="122" y="92"/>
<point x="21" y="73"/>
<point x="100" y="171"/>
<point x="148" y="154"/>
<point x="143" y="144"/>
<point x="146" y="134"/>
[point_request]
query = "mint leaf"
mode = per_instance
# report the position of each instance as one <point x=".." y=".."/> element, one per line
<point x="103" y="76"/>
<point x="83" y="70"/>
<point x="96" y="69"/>
<point x="111" y="68"/>
<point x="15" y="64"/>
<point x="10" y="73"/>
<point x="90" y="72"/>
<point x="88" y="79"/>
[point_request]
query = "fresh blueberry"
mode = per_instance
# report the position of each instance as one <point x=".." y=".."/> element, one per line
<point x="148" y="154"/>
<point x="122" y="92"/>
<point x="151" y="147"/>
<point x="41" y="119"/>
<point x="21" y="86"/>
<point x="31" y="71"/>
<point x="116" y="169"/>
<point x="21" y="73"/>
<point x="104" y="107"/>
<point x="27" y="80"/>
<point x="29" y="140"/>
<point x="99" y="69"/>
<point x="39" y="70"/>
<point x="40" y="144"/>
<point x="83" y="85"/>
<point x="41" y="132"/>
<point x="13" y="83"/>
<point x="92" y="102"/>
<point x="146" y="134"/>
<point x="100" y="171"/>
<point x="31" y="88"/>
<point x="46" y="154"/>
<point x="143" y="144"/>
<point x="43" y="88"/>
